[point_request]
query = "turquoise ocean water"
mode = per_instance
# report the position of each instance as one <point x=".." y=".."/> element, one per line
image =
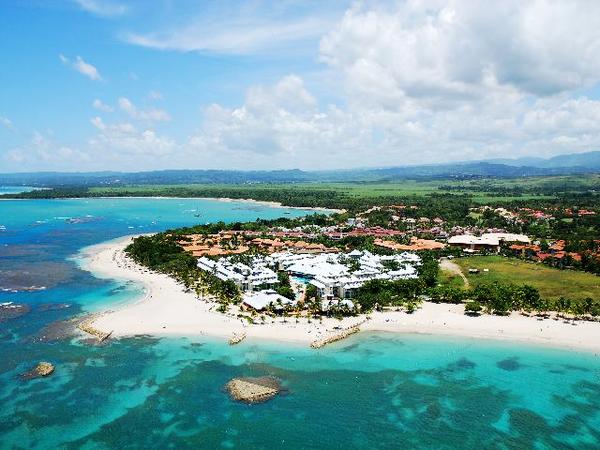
<point x="373" y="390"/>
<point x="15" y="189"/>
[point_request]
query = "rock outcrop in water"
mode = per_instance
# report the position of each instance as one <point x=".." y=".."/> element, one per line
<point x="43" y="369"/>
<point x="237" y="338"/>
<point x="87" y="327"/>
<point x="335" y="337"/>
<point x="253" y="390"/>
<point x="52" y="306"/>
<point x="10" y="310"/>
<point x="57" y="331"/>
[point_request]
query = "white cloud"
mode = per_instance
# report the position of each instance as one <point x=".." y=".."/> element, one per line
<point x="114" y="146"/>
<point x="417" y="81"/>
<point x="150" y="115"/>
<point x="102" y="7"/>
<point x="82" y="67"/>
<point x="42" y="153"/>
<point x="278" y="126"/>
<point x="238" y="38"/>
<point x="455" y="50"/>
<point x="101" y="106"/>
<point x="123" y="142"/>
<point x="231" y="27"/>
<point x="282" y="126"/>
<point x="155" y="95"/>
<point x="6" y="122"/>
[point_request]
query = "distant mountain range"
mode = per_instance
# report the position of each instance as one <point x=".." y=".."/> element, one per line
<point x="589" y="160"/>
<point x="578" y="163"/>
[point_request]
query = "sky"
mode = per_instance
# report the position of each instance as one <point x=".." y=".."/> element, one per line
<point x="89" y="85"/>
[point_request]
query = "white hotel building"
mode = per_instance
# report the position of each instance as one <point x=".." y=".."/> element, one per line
<point x="330" y="273"/>
<point x="247" y="278"/>
<point x="334" y="279"/>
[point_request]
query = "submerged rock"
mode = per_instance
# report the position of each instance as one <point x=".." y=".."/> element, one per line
<point x="509" y="364"/>
<point x="57" y="331"/>
<point x="53" y="306"/>
<point x="43" y="369"/>
<point x="253" y="389"/>
<point x="75" y="327"/>
<point x="10" y="310"/>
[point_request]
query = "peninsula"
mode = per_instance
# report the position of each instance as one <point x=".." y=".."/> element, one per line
<point x="278" y="283"/>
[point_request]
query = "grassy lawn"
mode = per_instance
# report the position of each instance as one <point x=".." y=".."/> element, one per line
<point x="360" y="190"/>
<point x="450" y="279"/>
<point x="479" y="190"/>
<point x="552" y="283"/>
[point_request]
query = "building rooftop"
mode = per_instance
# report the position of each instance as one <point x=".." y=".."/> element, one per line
<point x="261" y="300"/>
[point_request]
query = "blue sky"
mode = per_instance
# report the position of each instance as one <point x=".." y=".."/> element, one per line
<point x="99" y="84"/>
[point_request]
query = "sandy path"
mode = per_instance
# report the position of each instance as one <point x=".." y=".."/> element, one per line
<point x="452" y="267"/>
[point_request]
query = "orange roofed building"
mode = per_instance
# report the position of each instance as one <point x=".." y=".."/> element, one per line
<point x="416" y="244"/>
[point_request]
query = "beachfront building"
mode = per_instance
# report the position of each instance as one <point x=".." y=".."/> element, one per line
<point x="487" y="241"/>
<point x="337" y="276"/>
<point x="247" y="277"/>
<point x="341" y="275"/>
<point x="260" y="301"/>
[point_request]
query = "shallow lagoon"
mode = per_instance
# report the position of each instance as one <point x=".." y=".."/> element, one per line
<point x="370" y="391"/>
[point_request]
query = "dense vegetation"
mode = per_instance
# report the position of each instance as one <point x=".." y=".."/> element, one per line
<point x="550" y="282"/>
<point x="490" y="293"/>
<point x="457" y="201"/>
<point x="514" y="285"/>
<point x="445" y="197"/>
<point x="376" y="294"/>
<point x="501" y="298"/>
<point x="161" y="253"/>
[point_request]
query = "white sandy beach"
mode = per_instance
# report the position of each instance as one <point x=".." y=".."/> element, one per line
<point x="166" y="310"/>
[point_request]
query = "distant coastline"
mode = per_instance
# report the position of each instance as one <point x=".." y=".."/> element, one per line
<point x="166" y="310"/>
<point x="272" y="204"/>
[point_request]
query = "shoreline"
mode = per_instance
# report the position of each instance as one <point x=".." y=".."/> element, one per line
<point x="166" y="310"/>
<point x="271" y="204"/>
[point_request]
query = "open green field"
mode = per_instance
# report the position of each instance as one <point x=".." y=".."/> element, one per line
<point x="357" y="190"/>
<point x="360" y="190"/>
<point x="408" y="188"/>
<point x="552" y="283"/>
<point x="356" y="195"/>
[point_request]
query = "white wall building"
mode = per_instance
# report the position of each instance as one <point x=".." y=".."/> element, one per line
<point x="245" y="277"/>
<point x="260" y="301"/>
<point x="487" y="241"/>
<point x="333" y="278"/>
<point x="330" y="273"/>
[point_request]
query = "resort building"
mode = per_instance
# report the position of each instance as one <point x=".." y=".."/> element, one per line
<point x="259" y="301"/>
<point x="341" y="275"/>
<point x="336" y="276"/>
<point x="487" y="241"/>
<point x="247" y="278"/>
<point x="416" y="244"/>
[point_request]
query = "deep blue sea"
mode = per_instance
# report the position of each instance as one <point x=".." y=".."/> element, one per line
<point x="370" y="391"/>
